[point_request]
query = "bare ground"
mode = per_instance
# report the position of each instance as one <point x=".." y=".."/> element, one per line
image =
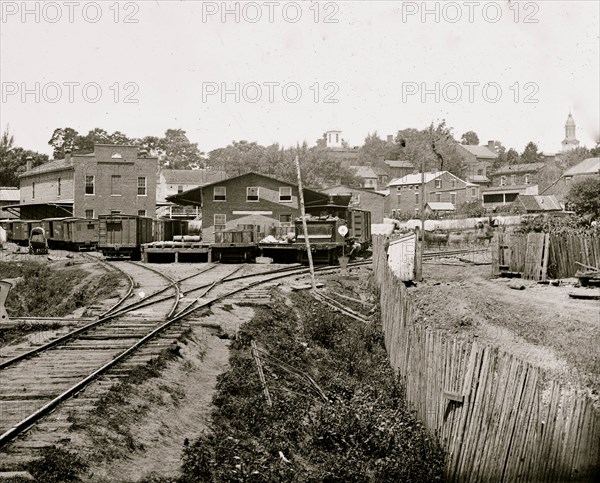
<point x="540" y="324"/>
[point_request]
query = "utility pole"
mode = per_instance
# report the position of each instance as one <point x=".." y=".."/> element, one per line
<point x="304" y="226"/>
<point x="419" y="274"/>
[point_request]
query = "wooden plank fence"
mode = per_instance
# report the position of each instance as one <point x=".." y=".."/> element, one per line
<point x="526" y="253"/>
<point x="493" y="413"/>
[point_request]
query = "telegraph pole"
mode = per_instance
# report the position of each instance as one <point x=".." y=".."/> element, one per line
<point x="419" y="274"/>
<point x="304" y="226"/>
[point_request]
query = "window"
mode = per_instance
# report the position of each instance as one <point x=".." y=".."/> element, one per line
<point x="567" y="179"/>
<point x="398" y="198"/>
<point x="399" y="188"/>
<point x="438" y="183"/>
<point x="416" y="211"/>
<point x="480" y="172"/>
<point x="473" y="192"/>
<point x="285" y="220"/>
<point x="89" y="185"/>
<point x="527" y="179"/>
<point x="141" y="212"/>
<point x="285" y="193"/>
<point x="438" y="197"/>
<point x="89" y="214"/>
<point x="219" y="222"/>
<point x="58" y="187"/>
<point x="141" y="186"/>
<point x="180" y="188"/>
<point x="115" y="212"/>
<point x="252" y="193"/>
<point x="219" y="193"/>
<point x="453" y="198"/>
<point x="416" y="198"/>
<point x="453" y="183"/>
<point x="513" y="179"/>
<point x="33" y="190"/>
<point x="502" y="180"/>
<point x="355" y="199"/>
<point x="337" y="138"/>
<point x="115" y="185"/>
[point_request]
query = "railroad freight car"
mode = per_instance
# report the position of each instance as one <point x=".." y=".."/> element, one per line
<point x="81" y="234"/>
<point x="121" y="236"/>
<point x="54" y="229"/>
<point x="21" y="230"/>
<point x="166" y="228"/>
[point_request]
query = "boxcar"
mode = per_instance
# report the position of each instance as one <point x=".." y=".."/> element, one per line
<point x="54" y="228"/>
<point x="21" y="230"/>
<point x="121" y="236"/>
<point x="167" y="228"/>
<point x="81" y="234"/>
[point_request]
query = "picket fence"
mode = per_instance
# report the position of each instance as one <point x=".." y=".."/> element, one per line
<point x="460" y="223"/>
<point x="500" y="419"/>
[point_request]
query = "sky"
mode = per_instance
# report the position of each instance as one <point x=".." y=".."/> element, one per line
<point x="288" y="71"/>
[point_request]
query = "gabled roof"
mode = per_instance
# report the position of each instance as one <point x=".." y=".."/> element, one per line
<point x="55" y="165"/>
<point x="479" y="151"/>
<point x="440" y="206"/>
<point x="338" y="189"/>
<point x="415" y="178"/>
<point x="538" y="203"/>
<point x="479" y="178"/>
<point x="587" y="166"/>
<point x="364" y="171"/>
<point x="192" y="176"/>
<point x="519" y="168"/>
<point x="399" y="164"/>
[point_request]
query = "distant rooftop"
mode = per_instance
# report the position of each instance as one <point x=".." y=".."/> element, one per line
<point x="480" y="151"/>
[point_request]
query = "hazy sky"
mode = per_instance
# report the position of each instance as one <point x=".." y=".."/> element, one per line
<point x="268" y="71"/>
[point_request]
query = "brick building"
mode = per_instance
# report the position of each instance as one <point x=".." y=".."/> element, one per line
<point x="362" y="199"/>
<point x="397" y="169"/>
<point x="588" y="168"/>
<point x="248" y="199"/>
<point x="477" y="162"/>
<point x="440" y="187"/>
<point x="112" y="179"/>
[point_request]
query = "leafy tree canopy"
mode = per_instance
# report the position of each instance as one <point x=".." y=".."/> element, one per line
<point x="531" y="155"/>
<point x="470" y="138"/>
<point x="13" y="159"/>
<point x="584" y="197"/>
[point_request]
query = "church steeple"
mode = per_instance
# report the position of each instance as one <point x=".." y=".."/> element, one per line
<point x="570" y="142"/>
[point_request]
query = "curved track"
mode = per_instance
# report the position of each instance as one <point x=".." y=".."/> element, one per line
<point x="31" y="387"/>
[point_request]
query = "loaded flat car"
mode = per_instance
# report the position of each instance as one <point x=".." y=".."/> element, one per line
<point x="81" y="234"/>
<point x="121" y="236"/>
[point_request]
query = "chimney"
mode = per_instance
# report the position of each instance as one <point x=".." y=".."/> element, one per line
<point x="28" y="163"/>
<point x="67" y="154"/>
<point x="491" y="145"/>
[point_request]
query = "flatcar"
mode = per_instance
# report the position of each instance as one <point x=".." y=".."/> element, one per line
<point x="121" y="236"/>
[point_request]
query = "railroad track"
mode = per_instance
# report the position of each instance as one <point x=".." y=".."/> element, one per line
<point x="453" y="253"/>
<point x="35" y="383"/>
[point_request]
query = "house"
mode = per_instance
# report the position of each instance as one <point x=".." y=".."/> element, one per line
<point x="536" y="204"/>
<point x="362" y="199"/>
<point x="173" y="181"/>
<point x="372" y="178"/>
<point x="112" y="179"/>
<point x="337" y="151"/>
<point x="248" y="199"/>
<point x="397" y="169"/>
<point x="441" y="208"/>
<point x="440" y="186"/>
<point x="509" y="181"/>
<point x="477" y="162"/>
<point x="587" y="168"/>
<point x="8" y="196"/>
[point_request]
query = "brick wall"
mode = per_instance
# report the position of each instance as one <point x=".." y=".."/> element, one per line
<point x="46" y="187"/>
<point x="237" y="210"/>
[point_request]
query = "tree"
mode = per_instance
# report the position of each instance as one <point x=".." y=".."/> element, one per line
<point x="573" y="157"/>
<point x="470" y="138"/>
<point x="179" y="152"/>
<point x="373" y="151"/>
<point x="14" y="159"/>
<point x="584" y="197"/>
<point x="530" y="154"/>
<point x="63" y="138"/>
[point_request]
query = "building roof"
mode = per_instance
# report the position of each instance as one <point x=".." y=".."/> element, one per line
<point x="479" y="178"/>
<point x="192" y="176"/>
<point x="340" y="189"/>
<point x="479" y="151"/>
<point x="10" y="194"/>
<point x="538" y="203"/>
<point x="399" y="164"/>
<point x="364" y="171"/>
<point x="587" y="166"/>
<point x="513" y="188"/>
<point x="440" y="206"/>
<point x="519" y="168"/>
<point x="415" y="178"/>
<point x="55" y="165"/>
<point x="380" y="171"/>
